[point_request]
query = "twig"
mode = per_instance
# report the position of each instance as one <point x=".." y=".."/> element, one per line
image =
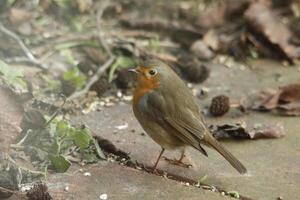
<point x="25" y="60"/>
<point x="26" y="51"/>
<point x="98" y="24"/>
<point x="56" y="113"/>
<point x="93" y="79"/>
<point x="16" y="192"/>
<point x="106" y="65"/>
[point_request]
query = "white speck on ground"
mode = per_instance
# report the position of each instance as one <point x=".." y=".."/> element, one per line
<point x="122" y="127"/>
<point x="87" y="173"/>
<point x="103" y="196"/>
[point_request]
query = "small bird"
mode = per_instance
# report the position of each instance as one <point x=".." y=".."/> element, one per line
<point x="168" y="112"/>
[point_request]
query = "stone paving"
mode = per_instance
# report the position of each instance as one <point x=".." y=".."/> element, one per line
<point x="273" y="164"/>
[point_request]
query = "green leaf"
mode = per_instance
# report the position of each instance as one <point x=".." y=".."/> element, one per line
<point x="90" y="157"/>
<point x="234" y="194"/>
<point x="51" y="85"/>
<point x="121" y="62"/>
<point x="62" y="128"/>
<point x="75" y="76"/>
<point x="60" y="163"/>
<point x="201" y="179"/>
<point x="63" y="3"/>
<point x="154" y="44"/>
<point x="12" y="76"/>
<point x="82" y="138"/>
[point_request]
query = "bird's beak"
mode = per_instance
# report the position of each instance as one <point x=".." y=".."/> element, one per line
<point x="134" y="70"/>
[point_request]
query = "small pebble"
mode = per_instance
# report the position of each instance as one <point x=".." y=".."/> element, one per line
<point x="109" y="104"/>
<point x="103" y="196"/>
<point x="187" y="184"/>
<point x="223" y="193"/>
<point x="213" y="189"/>
<point x="119" y="94"/>
<point x="242" y="67"/>
<point x="66" y="188"/>
<point x="122" y="127"/>
<point x="222" y="59"/>
<point x="205" y="89"/>
<point x="195" y="92"/>
<point x="87" y="173"/>
<point x="189" y="85"/>
<point x="127" y="98"/>
<point x="206" y="187"/>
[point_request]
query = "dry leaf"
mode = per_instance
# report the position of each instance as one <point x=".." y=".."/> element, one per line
<point x="267" y="131"/>
<point x="18" y="15"/>
<point x="84" y="5"/>
<point x="201" y="50"/>
<point x="238" y="131"/>
<point x="267" y="24"/>
<point x="286" y="100"/>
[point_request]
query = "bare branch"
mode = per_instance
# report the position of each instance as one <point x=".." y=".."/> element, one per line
<point x="26" y="60"/>
<point x="93" y="79"/>
<point x="98" y="24"/>
<point x="106" y="65"/>
<point x="24" y="48"/>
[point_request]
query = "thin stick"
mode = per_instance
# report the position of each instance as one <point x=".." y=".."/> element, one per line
<point x="98" y="24"/>
<point x="93" y="79"/>
<point x="16" y="192"/>
<point x="26" y="51"/>
<point x="55" y="114"/>
<point x="26" y="60"/>
<point x="106" y="65"/>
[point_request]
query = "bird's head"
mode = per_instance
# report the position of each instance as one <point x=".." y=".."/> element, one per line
<point x="152" y="74"/>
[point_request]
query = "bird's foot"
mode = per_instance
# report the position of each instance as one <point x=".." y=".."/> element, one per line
<point x="177" y="162"/>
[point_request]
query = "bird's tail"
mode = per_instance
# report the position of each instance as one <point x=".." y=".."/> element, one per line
<point x="226" y="154"/>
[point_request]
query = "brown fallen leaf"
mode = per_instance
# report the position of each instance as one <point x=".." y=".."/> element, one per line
<point x="185" y="34"/>
<point x="238" y="131"/>
<point x="267" y="131"/>
<point x="212" y="16"/>
<point x="290" y="93"/>
<point x="229" y="131"/>
<point x="201" y="50"/>
<point x="266" y="24"/>
<point x="286" y="100"/>
<point x="267" y="100"/>
<point x="18" y="15"/>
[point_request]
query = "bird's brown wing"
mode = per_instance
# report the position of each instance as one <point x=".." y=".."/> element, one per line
<point x="155" y="107"/>
<point x="185" y="134"/>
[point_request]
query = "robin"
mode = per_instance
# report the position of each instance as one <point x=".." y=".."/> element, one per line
<point x="168" y="112"/>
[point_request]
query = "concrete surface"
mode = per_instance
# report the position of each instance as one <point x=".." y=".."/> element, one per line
<point x="273" y="164"/>
<point x="120" y="182"/>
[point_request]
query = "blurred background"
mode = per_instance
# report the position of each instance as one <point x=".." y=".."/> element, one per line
<point x="65" y="89"/>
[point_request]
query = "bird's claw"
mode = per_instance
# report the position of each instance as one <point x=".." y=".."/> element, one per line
<point x="177" y="162"/>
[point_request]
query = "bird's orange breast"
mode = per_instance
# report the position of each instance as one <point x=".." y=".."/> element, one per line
<point x="144" y="86"/>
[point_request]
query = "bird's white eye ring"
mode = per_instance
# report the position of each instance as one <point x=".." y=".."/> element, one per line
<point x="152" y="72"/>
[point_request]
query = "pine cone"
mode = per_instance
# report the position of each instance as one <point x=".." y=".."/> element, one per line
<point x="39" y="192"/>
<point x="219" y="105"/>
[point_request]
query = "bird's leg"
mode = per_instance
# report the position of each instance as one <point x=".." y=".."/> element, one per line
<point x="178" y="161"/>
<point x="160" y="154"/>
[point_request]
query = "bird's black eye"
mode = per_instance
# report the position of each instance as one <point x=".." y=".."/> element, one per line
<point x="152" y="72"/>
